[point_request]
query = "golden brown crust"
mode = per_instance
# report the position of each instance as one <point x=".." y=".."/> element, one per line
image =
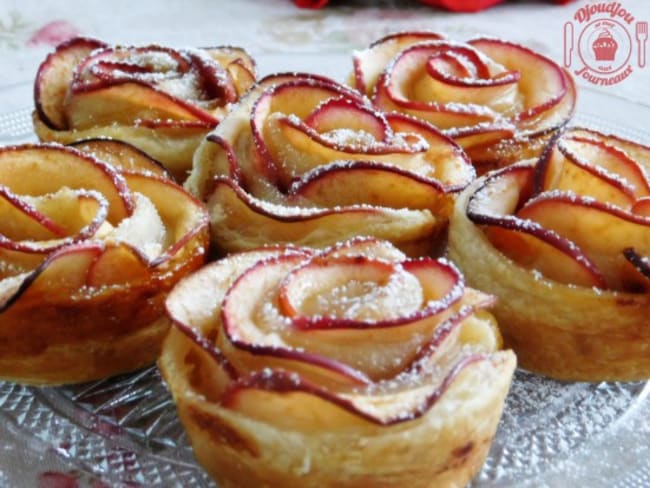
<point x="564" y="331"/>
<point x="326" y="170"/>
<point x="445" y="448"/>
<point x="264" y="417"/>
<point x="159" y="99"/>
<point x="485" y="93"/>
<point x="174" y="147"/>
<point x="90" y="302"/>
<point x="80" y="360"/>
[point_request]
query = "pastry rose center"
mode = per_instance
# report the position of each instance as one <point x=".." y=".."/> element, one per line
<point x="368" y="294"/>
<point x="349" y="137"/>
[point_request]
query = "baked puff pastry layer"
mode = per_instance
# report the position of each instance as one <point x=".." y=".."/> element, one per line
<point x="565" y="244"/>
<point x="88" y="252"/>
<point x="352" y="366"/>
<point x="160" y="99"/>
<point x="305" y="160"/>
<point x="499" y="100"/>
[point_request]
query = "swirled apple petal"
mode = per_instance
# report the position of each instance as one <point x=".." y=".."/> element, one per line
<point x="581" y="220"/>
<point x="526" y="241"/>
<point x="54" y="76"/>
<point x="126" y="103"/>
<point x="122" y="156"/>
<point x="59" y="167"/>
<point x="348" y="183"/>
<point x="547" y="92"/>
<point x="369" y="63"/>
<point x="61" y="276"/>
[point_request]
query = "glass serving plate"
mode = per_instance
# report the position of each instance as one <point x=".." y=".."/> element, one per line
<point x="124" y="431"/>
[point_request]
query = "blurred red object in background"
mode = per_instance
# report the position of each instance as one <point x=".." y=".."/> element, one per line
<point x="462" y="5"/>
<point x="311" y="3"/>
<point x="452" y="5"/>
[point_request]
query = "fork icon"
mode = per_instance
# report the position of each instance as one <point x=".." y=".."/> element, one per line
<point x="641" y="39"/>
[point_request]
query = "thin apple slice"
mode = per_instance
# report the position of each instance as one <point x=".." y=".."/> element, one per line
<point x="524" y="241"/>
<point x="291" y="97"/>
<point x="543" y="85"/>
<point x="642" y="207"/>
<point x="443" y="159"/>
<point x="77" y="213"/>
<point x="641" y="265"/>
<point x="183" y="216"/>
<point x="513" y="186"/>
<point x="281" y="96"/>
<point x="227" y="55"/>
<point x="13" y="263"/>
<point x="201" y="322"/>
<point x="369" y="63"/>
<point x="471" y="138"/>
<point x="339" y="114"/>
<point x="127" y="102"/>
<point x="638" y="152"/>
<point x="122" y="156"/>
<point x="360" y="182"/>
<point x="151" y="63"/>
<point x="240" y="221"/>
<point x="395" y="91"/>
<point x="238" y="63"/>
<point x="118" y="265"/>
<point x="254" y="322"/>
<point x="333" y="302"/>
<point x="256" y="396"/>
<point x="53" y="167"/>
<point x="243" y="78"/>
<point x="238" y="145"/>
<point x="357" y="292"/>
<point x="443" y="86"/>
<point x="301" y="149"/>
<point x="19" y="220"/>
<point x="249" y="346"/>
<point x="492" y="146"/>
<point x="613" y="162"/>
<point x="602" y="231"/>
<point x="549" y="256"/>
<point x="59" y="278"/>
<point x="636" y="272"/>
<point x="348" y="292"/>
<point x="55" y="75"/>
<point x="551" y="116"/>
<point x="190" y="77"/>
<point x="560" y="168"/>
<point x="215" y="84"/>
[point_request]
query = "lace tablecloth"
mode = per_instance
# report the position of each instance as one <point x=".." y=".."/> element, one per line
<point x="282" y="38"/>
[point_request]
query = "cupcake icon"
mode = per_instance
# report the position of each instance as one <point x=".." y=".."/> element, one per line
<point x="605" y="46"/>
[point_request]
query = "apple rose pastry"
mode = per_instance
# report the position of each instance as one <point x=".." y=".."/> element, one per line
<point x="565" y="244"/>
<point x="159" y="99"/>
<point x="305" y="160"/>
<point x="88" y="254"/>
<point x="351" y="366"/>
<point x="500" y="101"/>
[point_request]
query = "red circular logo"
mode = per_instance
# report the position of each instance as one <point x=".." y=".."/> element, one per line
<point x="604" y="42"/>
<point x="605" y="46"/>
